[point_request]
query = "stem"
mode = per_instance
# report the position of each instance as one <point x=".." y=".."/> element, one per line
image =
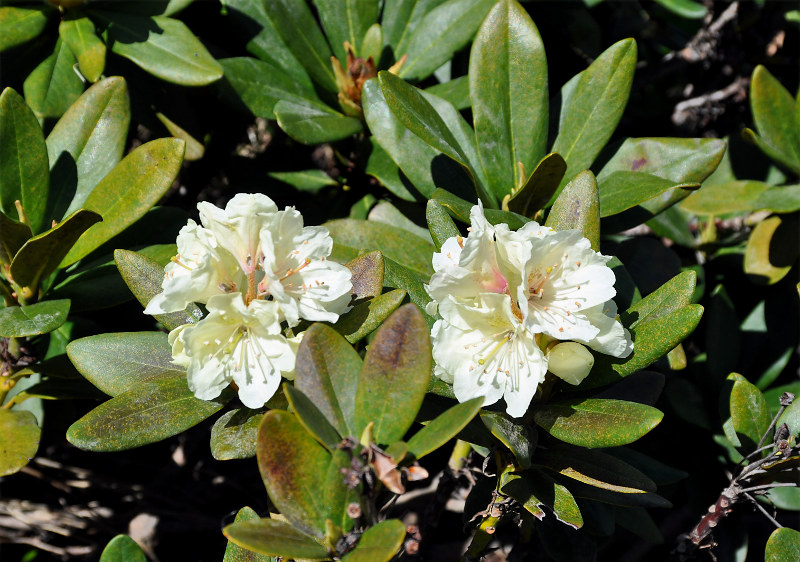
<point x="768" y="487"/>
<point x="764" y="511"/>
<point x="458" y="458"/>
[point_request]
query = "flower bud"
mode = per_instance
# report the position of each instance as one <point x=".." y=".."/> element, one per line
<point x="570" y="361"/>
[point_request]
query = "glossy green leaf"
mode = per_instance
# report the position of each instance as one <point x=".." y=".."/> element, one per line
<point x="144" y="277"/>
<point x="578" y="207"/>
<point x="774" y="116"/>
<point x="236" y="553"/>
<point x="311" y="122"/>
<point x="148" y="413"/>
<point x="53" y="86"/>
<point x="19" y="25"/>
<point x="79" y="34"/>
<point x="379" y="543"/>
<point x="234" y="434"/>
<point x="294" y="469"/>
<point x="385" y="212"/>
<point x="441" y="32"/>
<point x="520" y="438"/>
<point x="346" y="20"/>
<point x="783" y="545"/>
<point x="13" y="236"/>
<point x="443" y="427"/>
<point x="327" y="371"/>
<point x="393" y="243"/>
<point x="460" y="209"/>
<point x="508" y="89"/>
<point x="122" y="548"/>
<point x="372" y="44"/>
<point x="455" y="91"/>
<point x="772" y="249"/>
<point x="381" y="167"/>
<point x="311" y="181"/>
<point x="671" y="296"/>
<point x="366" y="317"/>
<point x="194" y="148"/>
<point x="337" y="492"/>
<point x="275" y="538"/>
<point x="297" y="27"/>
<point x="24" y="173"/>
<point x="596" y="423"/>
<point x="162" y="46"/>
<point x="750" y="414"/>
<point x="539" y="187"/>
<point x="592" y="105"/>
<point x="425" y="167"/>
<point x="19" y="439"/>
<point x="117" y="363"/>
<point x="86" y="143"/>
<point x="534" y="489"/>
<point x="400" y="18"/>
<point x="685" y="8"/>
<point x="394" y="376"/>
<point x="412" y="282"/>
<point x="39" y="318"/>
<point x="260" y="85"/>
<point x="440" y="225"/>
<point x="728" y="197"/>
<point x="620" y="191"/>
<point x="367" y="275"/>
<point x="129" y="191"/>
<point x="594" y="468"/>
<point x="40" y="255"/>
<point x="312" y="419"/>
<point x="779" y="199"/>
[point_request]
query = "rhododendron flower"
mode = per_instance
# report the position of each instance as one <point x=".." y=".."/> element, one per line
<point x="254" y="267"/>
<point x="501" y="294"/>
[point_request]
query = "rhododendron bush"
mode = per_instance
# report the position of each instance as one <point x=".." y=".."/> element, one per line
<point x="398" y="280"/>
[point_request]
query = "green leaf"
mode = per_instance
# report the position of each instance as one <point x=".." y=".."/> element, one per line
<point x="400" y="18"/>
<point x="372" y="44"/>
<point x="311" y="122"/>
<point x="162" y="46"/>
<point x="441" y="32"/>
<point x="234" y="434"/>
<point x="118" y="363"/>
<point x="234" y="552"/>
<point x="122" y="548"/>
<point x="79" y="34"/>
<point x="460" y="209"/>
<point x="53" y="86"/>
<point x="13" y="236"/>
<point x="338" y="494"/>
<point x="194" y="148"/>
<point x="297" y="27"/>
<point x="534" y="489"/>
<point x="578" y="207"/>
<point x="620" y="191"/>
<point x="381" y="166"/>
<point x="426" y="167"/>
<point x="148" y="413"/>
<point x="774" y="116"/>
<point x="508" y="89"/>
<point x="671" y="296"/>
<point x="723" y="198"/>
<point x="312" y="419"/>
<point x="19" y="25"/>
<point x="440" y="225"/>
<point x="366" y="317"/>
<point x="366" y="275"/>
<point x="24" y="173"/>
<point x="781" y="544"/>
<point x="379" y="543"/>
<point x="750" y="414"/>
<point x="592" y="105"/>
<point x="779" y="199"/>
<point x="539" y="187"/>
<point x="326" y="371"/>
<point x="443" y="427"/>
<point x="260" y="85"/>
<point x="520" y="439"/>
<point x="346" y="20"/>
<point x="412" y="282"/>
<point x="294" y="469"/>
<point x="40" y="255"/>
<point x="39" y="318"/>
<point x="19" y="439"/>
<point x="86" y="143"/>
<point x="772" y="249"/>
<point x="455" y="91"/>
<point x="311" y="181"/>
<point x="394" y="376"/>
<point x="685" y="8"/>
<point x="596" y="423"/>
<point x="594" y="468"/>
<point x="394" y="243"/>
<point x="144" y="277"/>
<point x="275" y="538"/>
<point x="128" y="192"/>
<point x="385" y="212"/>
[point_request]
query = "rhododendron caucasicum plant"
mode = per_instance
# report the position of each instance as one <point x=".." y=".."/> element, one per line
<point x="254" y="267"/>
<point x="507" y="298"/>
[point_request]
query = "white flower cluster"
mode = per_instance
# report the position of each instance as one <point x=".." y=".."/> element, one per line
<point x="507" y="298"/>
<point x="253" y="267"/>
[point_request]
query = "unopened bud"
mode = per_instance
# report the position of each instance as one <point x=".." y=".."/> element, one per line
<point x="570" y="361"/>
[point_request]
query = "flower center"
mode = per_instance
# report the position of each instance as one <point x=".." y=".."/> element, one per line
<point x="538" y="280"/>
